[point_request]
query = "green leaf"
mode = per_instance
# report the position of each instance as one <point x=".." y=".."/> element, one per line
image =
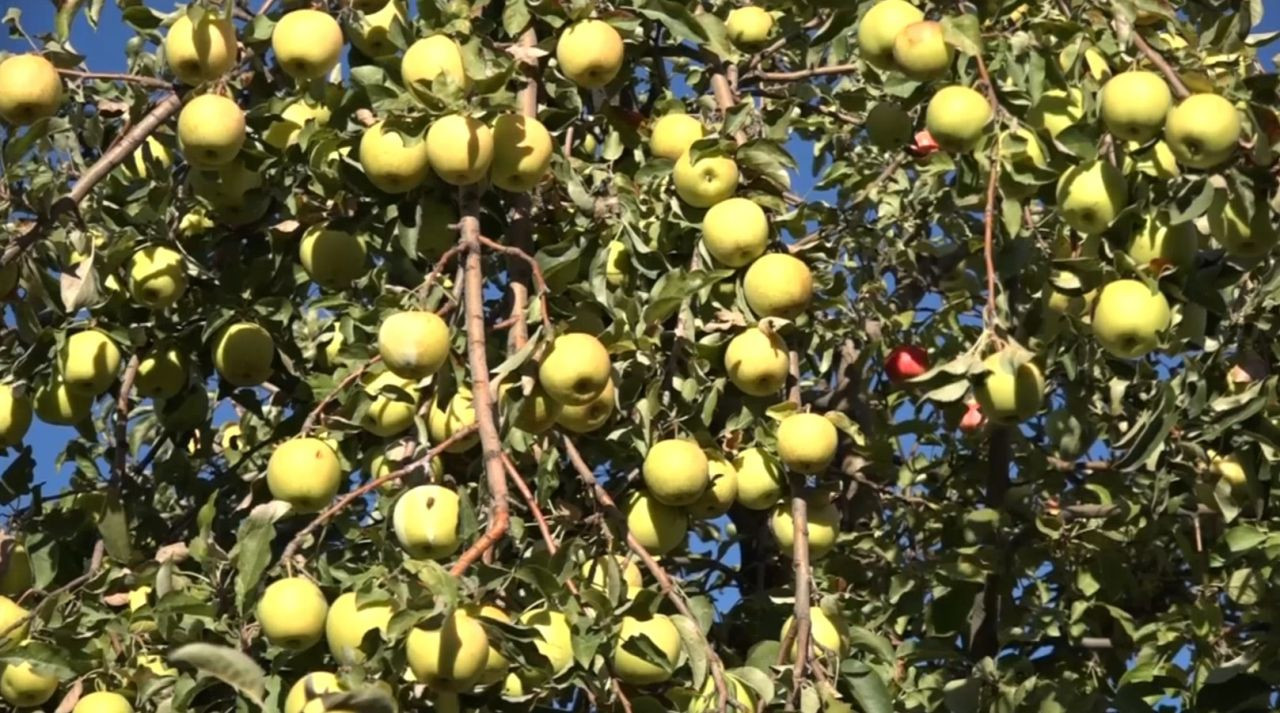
<point x="767" y="158"/>
<point x="252" y="552"/>
<point x="515" y="17"/>
<point x="963" y="33"/>
<point x="754" y="676"/>
<point x="1244" y="537"/>
<point x="226" y="664"/>
<point x="695" y="647"/>
<point x="869" y="690"/>
<point x="113" y="526"/>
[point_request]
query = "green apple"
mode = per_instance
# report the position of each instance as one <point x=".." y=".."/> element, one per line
<point x="590" y="53"/>
<point x="103" y="702"/>
<point x="425" y="520"/>
<point x="211" y="130"/>
<point x="675" y="471"/>
<point x="348" y="622"/>
<point x="888" y="126"/>
<point x="921" y="51"/>
<point x="30" y="89"/>
<point x="1134" y="105"/>
<point x="15" y="416"/>
<point x="617" y="264"/>
<point x="393" y="162"/>
<point x="880" y="27"/>
<point x="576" y="369"/>
<point x="957" y="118"/>
<point x="1203" y="130"/>
<point x="1244" y="234"/>
<point x="1008" y="393"/>
<point x="757" y="362"/>
<point x="25" y="686"/>
<point x="720" y="493"/>
<point x="536" y="413"/>
<point x="1158" y="244"/>
<point x="304" y="472"/>
<point x="659" y="528"/>
<point x="307" y="43"/>
<point x="748" y="27"/>
<point x="449" y="656"/>
<point x="637" y="670"/>
<point x="1129" y="318"/>
<point x="201" y="52"/>
<point x="595" y="572"/>
<point x="243" y="353"/>
<point x="1090" y="196"/>
<point x="705" y="183"/>
<point x="555" y="638"/>
<point x="283" y="133"/>
<point x="521" y="153"/>
<point x="57" y="404"/>
<point x="460" y="149"/>
<point x="826" y="636"/>
<point x="292" y="611"/>
<point x="760" y="480"/>
<point x="778" y="285"/>
<point x="824" y="526"/>
<point x="11" y="613"/>
<point x="88" y="362"/>
<point x="735" y="231"/>
<point x="1056" y="110"/>
<point x="413" y="344"/>
<point x="1231" y="468"/>
<point x="16" y="577"/>
<point x="304" y="696"/>
<point x="162" y="374"/>
<point x="334" y="259"/>
<point x="371" y="33"/>
<point x="429" y="58"/>
<point x="157" y="276"/>
<point x="389" y="414"/>
<point x="673" y="134"/>
<point x="443" y="422"/>
<point x="807" y="442"/>
<point x="496" y="665"/>
<point x="591" y="416"/>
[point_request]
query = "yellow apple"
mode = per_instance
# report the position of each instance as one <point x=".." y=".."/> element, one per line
<point x="459" y="413"/>
<point x="304" y="472"/>
<point x="103" y="702"/>
<point x="15" y="416"/>
<point x="590" y="53"/>
<point x="673" y="134"/>
<point x="11" y="612"/>
<point x="496" y="665"/>
<point x="705" y="183"/>
<point x="429" y="58"/>
<point x="393" y="162"/>
<point x="201" y="52"/>
<point x="957" y="118"/>
<point x="1010" y="394"/>
<point x="675" y="471"/>
<point x="161" y="374"/>
<point x="1134" y="105"/>
<point x="555" y="638"/>
<point x="1231" y="468"/>
<point x="450" y="656"/>
<point x="307" y="43"/>
<point x="389" y="414"/>
<point x="1090" y="196"/>
<point x="760" y="480"/>
<point x="888" y="126"/>
<point x="778" y="285"/>
<point x="24" y="686"/>
<point x="617" y="264"/>
<point x="735" y="231"/>
<point x="576" y="369"/>
<point x="637" y="670"/>
<point x="748" y="27"/>
<point x="1243" y="234"/>
<point x="595" y="572"/>
<point x="521" y="153"/>
<point x="1056" y="110"/>
<point x="757" y="362"/>
<point x="921" y="52"/>
<point x="16" y="577"/>
<point x="157" y="276"/>
<point x="825" y="635"/>
<point x="413" y="344"/>
<point x="824" y="527"/>
<point x="283" y="133"/>
<point x="722" y="491"/>
<point x="30" y="89"/>
<point x="537" y="412"/>
<point x="591" y="416"/>
<point x="210" y="130"/>
<point x="1158" y="244"/>
<point x="1203" y="130"/>
<point x="807" y="442"/>
<point x="425" y="520"/>
<point x="333" y="258"/>
<point x="304" y="696"/>
<point x="292" y="612"/>
<point x="880" y="27"/>
<point x="1129" y="318"/>
<point x="58" y="405"/>
<point x="243" y="353"/>
<point x="708" y="699"/>
<point x="88" y="362"/>
<point x="348" y="622"/>
<point x="659" y="528"/>
<point x="371" y="34"/>
<point x="460" y="149"/>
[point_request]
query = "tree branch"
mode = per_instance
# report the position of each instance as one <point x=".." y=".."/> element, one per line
<point x="538" y="279"/>
<point x="1179" y="87"/>
<point x="120" y="461"/>
<point x="314" y="415"/>
<point x="827" y="71"/>
<point x="117" y="77"/>
<point x="988" y="234"/>
<point x="520" y="215"/>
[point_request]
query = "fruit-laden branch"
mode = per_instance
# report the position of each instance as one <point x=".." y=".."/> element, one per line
<point x="1179" y="87"/>
<point x="342" y="503"/>
<point x="132" y="139"/>
<point x="490" y="443"/>
<point x="984" y="634"/>
<point x="118" y="77"/>
<point x="519" y="226"/>
<point x="310" y="423"/>
<point x="538" y="279"/>
<point x="95" y="564"/>
<point x="669" y="590"/>
<point x="120" y="463"/>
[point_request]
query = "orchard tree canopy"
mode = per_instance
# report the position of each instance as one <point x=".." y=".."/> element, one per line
<point x="644" y="355"/>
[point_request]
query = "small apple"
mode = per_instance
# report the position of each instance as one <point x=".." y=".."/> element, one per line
<point x="760" y="479"/>
<point x="757" y="362"/>
<point x="429" y="58"/>
<point x="595" y="572"/>
<point x="15" y="416"/>
<point x="203" y="51"/>
<point x="705" y="183"/>
<point x="735" y="231"/>
<point x="16" y="576"/>
<point x="1007" y="393"/>
<point x="348" y="622"/>
<point x="636" y="670"/>
<point x="826" y="636"/>
<point x="673" y="134"/>
<point x="210" y="130"/>
<point x="161" y="374"/>
<point x="1231" y="468"/>
<point x="659" y="528"/>
<point x="371" y="33"/>
<point x="1134" y="105"/>
<point x="521" y="153"/>
<point x="778" y="285"/>
<point x="283" y="133"/>
<point x="307" y="43"/>
<point x="720" y="493"/>
<point x="460" y="149"/>
<point x="921" y="51"/>
<point x="1129" y="318"/>
<point x="748" y="27"/>
<point x="888" y="126"/>
<point x="1245" y="231"/>
<point x="157" y="276"/>
<point x="957" y="118"/>
<point x="880" y="27"/>
<point x="243" y="354"/>
<point x="590" y="53"/>
<point x="676" y="471"/>
<point x="291" y="613"/>
<point x="304" y="472"/>
<point x="390" y="414"/>
<point x="393" y="162"/>
<point x="906" y="361"/>
<point x="1091" y="195"/>
<point x="1203" y="130"/>
<point x="617" y="264"/>
<point x="425" y="521"/>
<point x="576" y="369"/>
<point x="10" y="614"/>
<point x="30" y="89"/>
<point x="807" y="442"/>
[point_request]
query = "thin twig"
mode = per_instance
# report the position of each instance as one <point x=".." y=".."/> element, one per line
<point x="1179" y="87"/>
<point x="988" y="234"/>
<point x="120" y="463"/>
<point x="439" y="267"/>
<point x="538" y="279"/>
<point x="314" y="415"/>
<point x="118" y="77"/>
<point x="532" y="501"/>
<point x="827" y="71"/>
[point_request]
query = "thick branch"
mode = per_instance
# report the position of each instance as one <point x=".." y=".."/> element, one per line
<point x="1179" y="87"/>
<point x="989" y="233"/>
<point x="800" y="562"/>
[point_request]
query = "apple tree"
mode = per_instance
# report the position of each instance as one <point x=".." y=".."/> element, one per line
<point x="644" y="355"/>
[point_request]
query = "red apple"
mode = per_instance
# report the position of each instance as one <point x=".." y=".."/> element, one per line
<point x="973" y="418"/>
<point x="906" y="362"/>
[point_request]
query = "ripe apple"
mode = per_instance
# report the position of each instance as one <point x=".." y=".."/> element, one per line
<point x="760" y="480"/>
<point x="592" y="415"/>
<point x="1158" y="244"/>
<point x="1134" y="105"/>
<point x="1243" y="234"/>
<point x="332" y="258"/>
<point x="1231" y="468"/>
<point x="705" y="183"/>
<point x="496" y="665"/>
<point x="1203" y="130"/>
<point x="449" y="656"/>
<point x="555" y="638"/>
<point x="425" y="520"/>
<point x="722" y="491"/>
<point x="307" y="43"/>
<point x="429" y="58"/>
<point x="660" y="528"/>
<point x="757" y="362"/>
<point x="675" y="472"/>
<point x="1129" y="318"/>
<point x="161" y="374"/>
<point x="58" y="405"/>
<point x="595" y="572"/>
<point x="157" y="276"/>
<point x="824" y="527"/>
<point x="30" y="89"/>
<point x="880" y="27"/>
<point x="957" y="118"/>
<point x="708" y="699"/>
<point x="537" y="411"/>
<point x="888" y="126"/>
<point x="292" y="611"/>
<point x="88" y="362"/>
<point x="15" y="416"/>
<point x="921" y="52"/>
<point x="389" y="414"/>
<point x="243" y="353"/>
<point x="1090" y="196"/>
<point x="576" y="369"/>
<point x="617" y="264"/>
<point x="906" y="361"/>
<point x="1056" y="110"/>
<point x="16" y="577"/>
<point x="826" y="636"/>
<point x="1009" y="394"/>
<point x="460" y="149"/>
<point x="138" y="165"/>
<point x="203" y="51"/>
<point x="413" y="344"/>
<point x="807" y="442"/>
<point x="637" y="670"/>
<point x="103" y="702"/>
<point x="304" y="696"/>
<point x="11" y="612"/>
<point x="283" y="133"/>
<point x="521" y="153"/>
<point x="778" y="285"/>
<point x="210" y="130"/>
<point x="371" y="34"/>
<point x="748" y="27"/>
<point x="444" y="421"/>
<point x="23" y="686"/>
<point x="304" y="472"/>
<point x="673" y="134"/>
<point x="735" y="231"/>
<point x="590" y="53"/>
<point x="393" y="162"/>
<point x="347" y="624"/>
